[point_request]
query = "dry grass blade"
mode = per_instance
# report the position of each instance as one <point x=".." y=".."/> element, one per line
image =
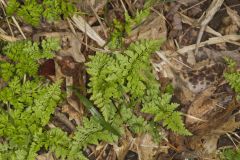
<point x="86" y="28"/>
<point x="18" y="26"/>
<point x="2" y="31"/>
<point x="194" y="118"/>
<point x="3" y="2"/>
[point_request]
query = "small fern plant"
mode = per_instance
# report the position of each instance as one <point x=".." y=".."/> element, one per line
<point x="233" y="76"/>
<point x="32" y="11"/>
<point x="122" y="29"/>
<point x="27" y="102"/>
<point x="120" y="82"/>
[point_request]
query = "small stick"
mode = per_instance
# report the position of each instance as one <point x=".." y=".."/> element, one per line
<point x="99" y="20"/>
<point x="213" y="8"/>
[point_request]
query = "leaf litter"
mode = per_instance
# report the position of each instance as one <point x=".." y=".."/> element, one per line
<point x="195" y="39"/>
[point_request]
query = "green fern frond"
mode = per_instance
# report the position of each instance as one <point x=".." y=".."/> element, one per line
<point x="53" y="10"/>
<point x="25" y="54"/>
<point x="117" y="76"/>
<point x="91" y="133"/>
<point x="122" y="29"/>
<point x="102" y="87"/>
<point x="230" y="154"/>
<point x="32" y="11"/>
<point x="29" y="101"/>
<point x="13" y="5"/>
<point x="233" y="76"/>
<point x="137" y="124"/>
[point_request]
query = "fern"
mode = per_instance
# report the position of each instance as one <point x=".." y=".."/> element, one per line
<point x="61" y="8"/>
<point x="122" y="29"/>
<point x="140" y="17"/>
<point x="27" y="103"/>
<point x="13" y="5"/>
<point x="25" y="54"/>
<point x="91" y="133"/>
<point x="32" y="11"/>
<point x="116" y="37"/>
<point x="233" y="76"/>
<point x="119" y="81"/>
<point x="164" y="111"/>
<point x="230" y="154"/>
<point x="71" y="148"/>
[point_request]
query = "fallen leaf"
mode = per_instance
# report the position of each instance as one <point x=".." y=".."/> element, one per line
<point x="233" y="15"/>
<point x="46" y="156"/>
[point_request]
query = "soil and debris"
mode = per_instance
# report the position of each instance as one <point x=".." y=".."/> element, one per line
<point x="198" y="35"/>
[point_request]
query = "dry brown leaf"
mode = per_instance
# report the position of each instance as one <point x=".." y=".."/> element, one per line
<point x="126" y="144"/>
<point x="210" y="144"/>
<point x="229" y="126"/>
<point x="177" y="22"/>
<point x="201" y="106"/>
<point x="47" y="156"/>
<point x="73" y="111"/>
<point x="64" y="119"/>
<point x="234" y="16"/>
<point x="147" y="149"/>
<point x="82" y="25"/>
<point x="153" y="28"/>
<point x="231" y="29"/>
<point x="212" y="106"/>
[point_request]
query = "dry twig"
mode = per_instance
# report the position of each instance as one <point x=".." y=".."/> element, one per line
<point x="213" y="8"/>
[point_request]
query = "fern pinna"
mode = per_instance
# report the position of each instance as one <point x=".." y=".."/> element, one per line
<point x="122" y="81"/>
